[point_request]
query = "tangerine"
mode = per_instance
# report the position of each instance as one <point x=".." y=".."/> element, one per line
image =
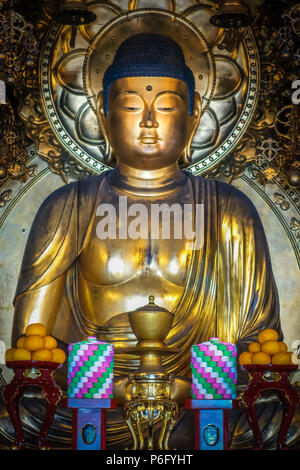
<point x="254" y="347"/>
<point x="282" y="357"/>
<point x="58" y="355"/>
<point x="261" y="358"/>
<point x="21" y="354"/>
<point x="20" y="342"/>
<point x="268" y="335"/>
<point x="9" y="355"/>
<point x="33" y="342"/>
<point x="270" y="347"/>
<point x="35" y="329"/>
<point x="50" y="342"/>
<point x="44" y="355"/>
<point x="245" y="358"/>
<point x="283" y="346"/>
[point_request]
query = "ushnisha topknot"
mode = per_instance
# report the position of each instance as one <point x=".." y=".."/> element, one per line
<point x="149" y="55"/>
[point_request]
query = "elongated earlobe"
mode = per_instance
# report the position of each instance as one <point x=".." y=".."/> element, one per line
<point x="108" y="156"/>
<point x="195" y="119"/>
<point x="186" y="156"/>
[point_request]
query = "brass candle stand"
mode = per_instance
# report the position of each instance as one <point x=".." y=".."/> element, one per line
<point x="151" y="385"/>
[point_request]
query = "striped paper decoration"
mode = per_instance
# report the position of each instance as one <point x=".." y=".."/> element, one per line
<point x="90" y="369"/>
<point x="214" y="374"/>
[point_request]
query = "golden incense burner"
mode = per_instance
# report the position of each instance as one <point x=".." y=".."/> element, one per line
<point x="151" y="384"/>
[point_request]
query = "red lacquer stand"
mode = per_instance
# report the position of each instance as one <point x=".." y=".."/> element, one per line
<point x="276" y="378"/>
<point x="28" y="374"/>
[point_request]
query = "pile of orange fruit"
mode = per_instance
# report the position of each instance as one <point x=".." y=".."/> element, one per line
<point x="36" y="345"/>
<point x="268" y="350"/>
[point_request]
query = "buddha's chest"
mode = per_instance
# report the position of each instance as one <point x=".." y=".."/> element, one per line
<point x="110" y="262"/>
<point x="131" y="239"/>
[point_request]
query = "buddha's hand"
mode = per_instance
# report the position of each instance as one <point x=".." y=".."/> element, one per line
<point x="180" y="391"/>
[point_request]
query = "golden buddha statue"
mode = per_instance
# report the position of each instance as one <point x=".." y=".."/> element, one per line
<point x="78" y="284"/>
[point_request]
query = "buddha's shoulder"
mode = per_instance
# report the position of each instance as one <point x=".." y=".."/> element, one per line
<point x="232" y="192"/>
<point x="84" y="188"/>
<point x="229" y="197"/>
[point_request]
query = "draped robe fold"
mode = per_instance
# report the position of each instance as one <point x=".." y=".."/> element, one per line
<point x="229" y="293"/>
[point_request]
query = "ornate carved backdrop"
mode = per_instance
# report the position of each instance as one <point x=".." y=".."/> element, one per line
<point x="248" y="133"/>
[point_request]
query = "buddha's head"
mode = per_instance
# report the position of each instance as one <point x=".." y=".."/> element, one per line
<point x="148" y="110"/>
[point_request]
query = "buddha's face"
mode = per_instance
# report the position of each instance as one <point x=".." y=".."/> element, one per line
<point x="148" y="123"/>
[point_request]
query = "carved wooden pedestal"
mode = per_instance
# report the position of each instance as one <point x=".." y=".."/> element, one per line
<point x="211" y="422"/>
<point x="31" y="373"/>
<point x="276" y="378"/>
<point x="89" y="422"/>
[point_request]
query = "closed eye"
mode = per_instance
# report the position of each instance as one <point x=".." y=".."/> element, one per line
<point x="166" y="109"/>
<point x="130" y="108"/>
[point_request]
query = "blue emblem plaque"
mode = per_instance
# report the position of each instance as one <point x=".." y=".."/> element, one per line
<point x="211" y="435"/>
<point x="88" y="433"/>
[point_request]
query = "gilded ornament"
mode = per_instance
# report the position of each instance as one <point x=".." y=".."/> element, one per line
<point x="13" y="156"/>
<point x="281" y="201"/>
<point x="295" y="226"/>
<point x="151" y="387"/>
<point x="5" y="197"/>
<point x="19" y="47"/>
<point x="232" y="14"/>
<point x="74" y="13"/>
<point x="294" y="176"/>
<point x="270" y="173"/>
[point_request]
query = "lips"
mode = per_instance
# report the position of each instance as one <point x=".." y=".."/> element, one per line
<point x="148" y="139"/>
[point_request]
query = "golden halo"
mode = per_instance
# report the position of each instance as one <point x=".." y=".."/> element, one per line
<point x="195" y="47"/>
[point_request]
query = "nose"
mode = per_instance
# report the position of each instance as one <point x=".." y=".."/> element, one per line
<point x="148" y="119"/>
